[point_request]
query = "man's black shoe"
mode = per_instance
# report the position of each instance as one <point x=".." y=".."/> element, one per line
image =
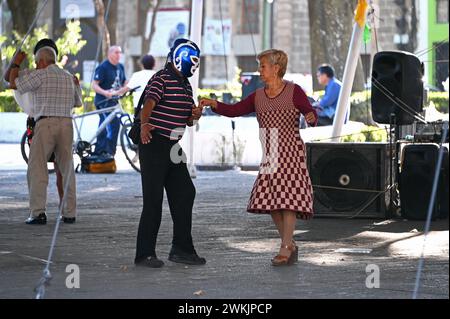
<point x="40" y="220"/>
<point x="151" y="262"/>
<point x="185" y="258"/>
<point x="68" y="220"/>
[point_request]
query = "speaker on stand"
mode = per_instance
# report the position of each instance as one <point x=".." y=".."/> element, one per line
<point x="397" y="99"/>
<point x="397" y="87"/>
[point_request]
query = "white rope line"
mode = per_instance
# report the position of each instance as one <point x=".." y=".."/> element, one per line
<point x="367" y="204"/>
<point x="438" y="167"/>
<point x="430" y="212"/>
<point x="406" y="108"/>
<point x="371" y="201"/>
<point x="396" y="100"/>
<point x="434" y="47"/>
<point x="350" y="134"/>
<point x="46" y="275"/>
<point x="349" y="189"/>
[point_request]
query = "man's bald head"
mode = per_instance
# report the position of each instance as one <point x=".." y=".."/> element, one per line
<point x="114" y="53"/>
<point x="45" y="56"/>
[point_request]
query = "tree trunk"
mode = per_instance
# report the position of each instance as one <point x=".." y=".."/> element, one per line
<point x="2" y="81"/>
<point x="102" y="28"/>
<point x="414" y="25"/>
<point x="112" y="21"/>
<point x="331" y="23"/>
<point x="147" y="42"/>
<point x="144" y="7"/>
<point x="22" y="15"/>
<point x="407" y="23"/>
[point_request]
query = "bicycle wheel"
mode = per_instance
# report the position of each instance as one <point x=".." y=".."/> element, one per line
<point x="25" y="150"/>
<point x="130" y="149"/>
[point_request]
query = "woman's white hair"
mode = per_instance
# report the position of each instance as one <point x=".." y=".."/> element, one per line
<point x="275" y="57"/>
<point x="48" y="54"/>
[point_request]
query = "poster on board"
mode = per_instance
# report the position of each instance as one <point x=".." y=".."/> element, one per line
<point x="75" y="9"/>
<point x="170" y="25"/>
<point x="214" y="41"/>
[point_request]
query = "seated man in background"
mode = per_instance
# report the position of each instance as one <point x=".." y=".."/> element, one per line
<point x="326" y="107"/>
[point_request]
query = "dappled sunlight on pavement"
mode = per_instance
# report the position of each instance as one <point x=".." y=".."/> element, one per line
<point x="333" y="253"/>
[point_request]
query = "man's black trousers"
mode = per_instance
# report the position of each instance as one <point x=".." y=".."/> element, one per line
<point x="159" y="171"/>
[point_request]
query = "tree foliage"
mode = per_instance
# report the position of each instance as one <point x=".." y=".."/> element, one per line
<point x="22" y="15"/>
<point x="70" y="42"/>
<point x="331" y="24"/>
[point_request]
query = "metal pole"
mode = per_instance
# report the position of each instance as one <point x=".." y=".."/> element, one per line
<point x="348" y="78"/>
<point x="394" y="137"/>
<point x="196" y="36"/>
<point x="271" y="23"/>
<point x="266" y="25"/>
<point x="374" y="45"/>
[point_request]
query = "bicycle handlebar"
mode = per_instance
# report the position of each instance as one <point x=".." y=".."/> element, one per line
<point x="117" y="98"/>
<point x="130" y="91"/>
<point x="133" y="90"/>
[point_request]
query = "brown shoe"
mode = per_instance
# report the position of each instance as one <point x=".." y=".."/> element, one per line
<point x="281" y="260"/>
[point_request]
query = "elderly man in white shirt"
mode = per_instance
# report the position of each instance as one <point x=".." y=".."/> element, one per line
<point x="55" y="93"/>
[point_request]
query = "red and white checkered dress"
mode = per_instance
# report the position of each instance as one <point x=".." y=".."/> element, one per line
<point x="283" y="181"/>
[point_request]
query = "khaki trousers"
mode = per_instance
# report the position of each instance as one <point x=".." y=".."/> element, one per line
<point x="51" y="135"/>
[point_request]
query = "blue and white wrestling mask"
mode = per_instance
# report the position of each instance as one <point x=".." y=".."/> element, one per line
<point x="185" y="56"/>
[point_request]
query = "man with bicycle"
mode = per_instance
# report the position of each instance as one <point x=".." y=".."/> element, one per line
<point x="55" y="93"/>
<point x="109" y="81"/>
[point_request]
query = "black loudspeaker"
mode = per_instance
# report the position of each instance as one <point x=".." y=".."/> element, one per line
<point x="396" y="80"/>
<point x="349" y="166"/>
<point x="416" y="181"/>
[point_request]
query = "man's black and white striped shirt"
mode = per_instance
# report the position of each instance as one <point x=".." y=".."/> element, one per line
<point x="173" y="96"/>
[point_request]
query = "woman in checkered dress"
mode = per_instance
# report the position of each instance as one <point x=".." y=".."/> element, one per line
<point x="283" y="187"/>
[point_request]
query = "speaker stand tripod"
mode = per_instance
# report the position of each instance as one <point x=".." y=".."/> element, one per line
<point x="394" y="172"/>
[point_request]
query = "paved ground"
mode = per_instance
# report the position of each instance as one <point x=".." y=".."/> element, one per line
<point x="237" y="245"/>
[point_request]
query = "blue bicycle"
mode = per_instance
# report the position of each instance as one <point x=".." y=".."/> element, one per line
<point x="83" y="148"/>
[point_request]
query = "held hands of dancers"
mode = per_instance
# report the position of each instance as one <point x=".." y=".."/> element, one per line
<point x="196" y="114"/>
<point x="146" y="128"/>
<point x="208" y="102"/>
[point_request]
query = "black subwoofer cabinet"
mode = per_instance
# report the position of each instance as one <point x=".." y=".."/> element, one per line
<point x="418" y="166"/>
<point x="348" y="178"/>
